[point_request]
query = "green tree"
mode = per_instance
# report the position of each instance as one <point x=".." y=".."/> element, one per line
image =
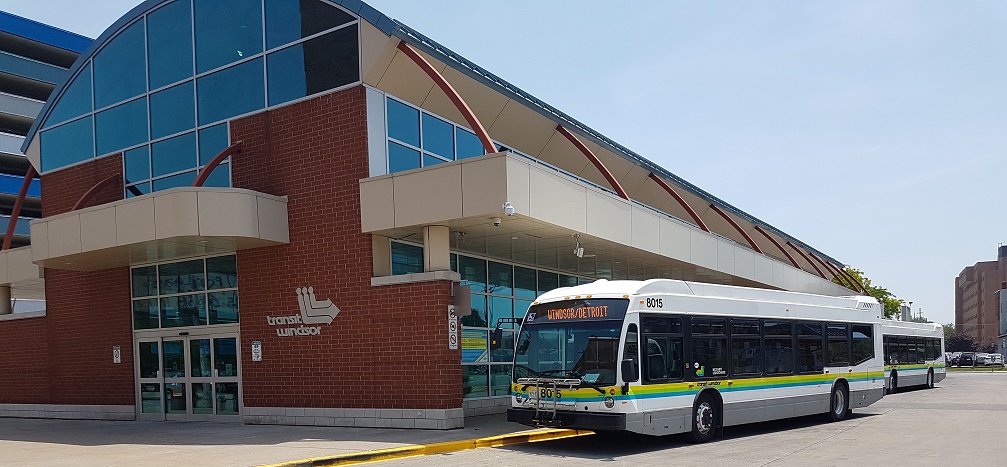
<point x="893" y="305"/>
<point x="960" y="343"/>
<point x="949" y="330"/>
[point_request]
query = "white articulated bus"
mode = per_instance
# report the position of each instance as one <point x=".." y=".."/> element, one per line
<point x="914" y="354"/>
<point x="667" y="356"/>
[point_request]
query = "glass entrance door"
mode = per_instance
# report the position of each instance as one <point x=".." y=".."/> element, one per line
<point x="188" y="378"/>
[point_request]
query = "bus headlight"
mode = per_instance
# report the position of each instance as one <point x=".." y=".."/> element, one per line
<point x="519" y="398"/>
<point x="609" y="402"/>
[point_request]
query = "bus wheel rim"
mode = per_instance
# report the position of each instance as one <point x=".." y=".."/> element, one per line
<point x="840" y="403"/>
<point x="704" y="418"/>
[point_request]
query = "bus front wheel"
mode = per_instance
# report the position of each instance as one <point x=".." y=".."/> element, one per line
<point x="704" y="419"/>
<point x="930" y="379"/>
<point x="893" y="383"/>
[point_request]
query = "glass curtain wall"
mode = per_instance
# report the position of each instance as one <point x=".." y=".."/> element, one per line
<point x="162" y="89"/>
<point x="499" y="290"/>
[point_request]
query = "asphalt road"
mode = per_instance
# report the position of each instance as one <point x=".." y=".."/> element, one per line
<point x="962" y="421"/>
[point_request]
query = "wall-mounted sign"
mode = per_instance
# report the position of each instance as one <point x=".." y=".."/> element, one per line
<point x="116" y="354"/>
<point x="313" y="311"/>
<point x="452" y="328"/>
<point x="256" y="351"/>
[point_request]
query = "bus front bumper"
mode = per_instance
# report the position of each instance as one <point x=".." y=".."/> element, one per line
<point x="572" y="420"/>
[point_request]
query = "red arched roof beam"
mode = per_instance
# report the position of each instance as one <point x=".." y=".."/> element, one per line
<point x="16" y="212"/>
<point x="456" y="99"/>
<point x="737" y="227"/>
<point x="812" y="263"/>
<point x="94" y="190"/>
<point x="835" y="275"/>
<point x="774" y="242"/>
<point x="594" y="160"/>
<point x="674" y="194"/>
<point x="852" y="278"/>
<point x="205" y="173"/>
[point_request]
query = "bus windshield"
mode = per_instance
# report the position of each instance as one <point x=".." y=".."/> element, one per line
<point x="572" y="339"/>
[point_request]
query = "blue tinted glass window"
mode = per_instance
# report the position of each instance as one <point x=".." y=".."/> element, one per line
<point x="226" y="31"/>
<point x="223" y="307"/>
<point x="438" y="137"/>
<point x="212" y="141"/>
<point x="169" y="43"/>
<point x="406" y="259"/>
<point x="220" y="177"/>
<point x="183" y="179"/>
<point x="403" y="123"/>
<point x="288" y="21"/>
<point x="229" y="92"/>
<point x="172" y="110"/>
<point x="76" y="101"/>
<point x="429" y="160"/>
<point x="67" y="144"/>
<point x="313" y="66"/>
<point x="286" y="75"/>
<point x="173" y="155"/>
<point x="402" y="158"/>
<point x="138" y="189"/>
<point x="468" y="144"/>
<point x="121" y="126"/>
<point x="221" y="272"/>
<point x="524" y="282"/>
<point x="137" y="164"/>
<point x="118" y="70"/>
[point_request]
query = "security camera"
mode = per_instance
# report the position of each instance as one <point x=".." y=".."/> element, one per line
<point x="496" y="222"/>
<point x="508" y="208"/>
<point x="579" y="252"/>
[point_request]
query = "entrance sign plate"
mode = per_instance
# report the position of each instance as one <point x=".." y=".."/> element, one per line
<point x="452" y="328"/>
<point x="256" y="351"/>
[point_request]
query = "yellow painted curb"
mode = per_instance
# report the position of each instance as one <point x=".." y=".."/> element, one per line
<point x="436" y="448"/>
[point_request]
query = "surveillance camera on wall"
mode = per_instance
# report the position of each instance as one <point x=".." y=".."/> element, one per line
<point x="579" y="252"/>
<point x="496" y="221"/>
<point x="508" y="208"/>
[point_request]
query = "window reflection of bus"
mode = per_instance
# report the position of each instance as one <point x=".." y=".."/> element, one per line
<point x="913" y="354"/>
<point x="665" y="356"/>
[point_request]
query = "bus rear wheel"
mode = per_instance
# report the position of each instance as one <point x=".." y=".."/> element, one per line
<point x="930" y="379"/>
<point x="839" y="405"/>
<point x="704" y="419"/>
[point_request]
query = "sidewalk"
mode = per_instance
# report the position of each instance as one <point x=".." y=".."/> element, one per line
<point x="86" y="442"/>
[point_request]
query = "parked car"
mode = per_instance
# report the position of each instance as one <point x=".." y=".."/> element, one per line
<point x="967" y="359"/>
<point x="980" y="359"/>
<point x="994" y="359"/>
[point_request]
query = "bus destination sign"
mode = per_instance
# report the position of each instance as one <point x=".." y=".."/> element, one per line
<point x="578" y="310"/>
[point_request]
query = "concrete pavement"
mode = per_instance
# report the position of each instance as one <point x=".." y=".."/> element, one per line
<point x="101" y="443"/>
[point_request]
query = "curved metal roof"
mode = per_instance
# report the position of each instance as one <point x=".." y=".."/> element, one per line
<point x="398" y="29"/>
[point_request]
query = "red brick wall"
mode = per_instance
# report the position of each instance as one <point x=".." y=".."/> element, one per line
<point x="387" y="348"/>
<point x="23" y="368"/>
<point x="62" y="189"/>
<point x="87" y="314"/>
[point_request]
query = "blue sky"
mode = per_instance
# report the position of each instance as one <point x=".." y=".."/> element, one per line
<point x="874" y="131"/>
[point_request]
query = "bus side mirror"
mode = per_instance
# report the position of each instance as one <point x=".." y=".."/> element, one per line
<point x="496" y="339"/>
<point x="630" y="371"/>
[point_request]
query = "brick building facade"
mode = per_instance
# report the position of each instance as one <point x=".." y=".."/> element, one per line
<point x="374" y="207"/>
<point x="977" y="299"/>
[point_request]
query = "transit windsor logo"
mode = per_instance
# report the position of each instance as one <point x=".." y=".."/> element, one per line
<point x="313" y="312"/>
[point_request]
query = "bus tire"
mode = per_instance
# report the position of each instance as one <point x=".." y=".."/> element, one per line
<point x="839" y="403"/>
<point x="704" y="418"/>
<point x="930" y="379"/>
<point x="893" y="383"/>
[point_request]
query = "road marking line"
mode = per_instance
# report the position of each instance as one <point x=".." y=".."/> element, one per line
<point x="435" y="448"/>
